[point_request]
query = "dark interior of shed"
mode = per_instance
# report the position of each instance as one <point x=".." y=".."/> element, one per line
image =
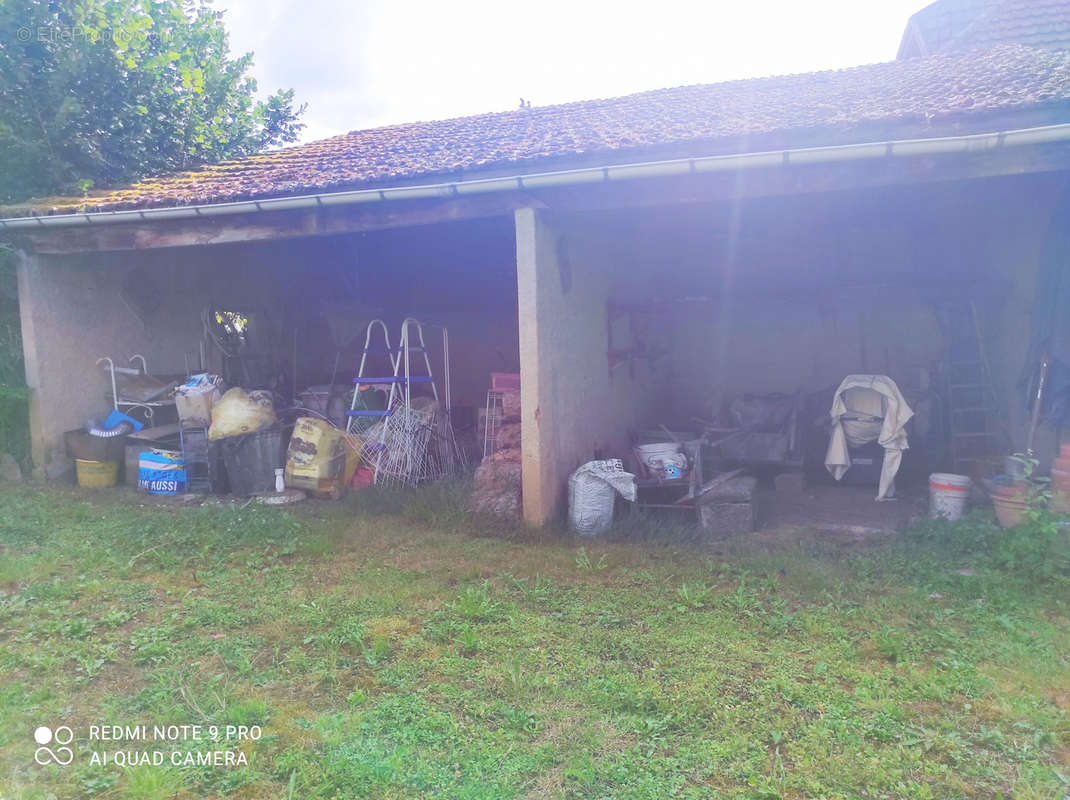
<point x="309" y="301"/>
<point x="767" y="304"/>
<point x="743" y="317"/>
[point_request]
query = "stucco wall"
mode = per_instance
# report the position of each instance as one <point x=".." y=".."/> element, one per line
<point x="73" y="312"/>
<point x="461" y="277"/>
<point x="779" y="344"/>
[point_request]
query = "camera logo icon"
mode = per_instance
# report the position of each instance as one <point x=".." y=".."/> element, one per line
<point x="61" y="736"/>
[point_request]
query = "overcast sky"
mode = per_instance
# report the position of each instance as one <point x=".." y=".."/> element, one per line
<point x="366" y="63"/>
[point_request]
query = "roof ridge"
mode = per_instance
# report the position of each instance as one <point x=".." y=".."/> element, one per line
<point x="519" y="112"/>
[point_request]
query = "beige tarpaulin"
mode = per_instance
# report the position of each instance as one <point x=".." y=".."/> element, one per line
<point x="868" y="408"/>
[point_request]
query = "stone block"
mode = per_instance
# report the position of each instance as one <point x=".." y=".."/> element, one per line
<point x="726" y="519"/>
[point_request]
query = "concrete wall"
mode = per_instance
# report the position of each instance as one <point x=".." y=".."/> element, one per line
<point x="1014" y="241"/>
<point x="764" y="344"/>
<point x="568" y="268"/>
<point x="73" y="312"/>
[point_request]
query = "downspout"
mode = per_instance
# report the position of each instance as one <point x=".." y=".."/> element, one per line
<point x="947" y="145"/>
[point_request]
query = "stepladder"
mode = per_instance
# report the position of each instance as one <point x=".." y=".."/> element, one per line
<point x="408" y="436"/>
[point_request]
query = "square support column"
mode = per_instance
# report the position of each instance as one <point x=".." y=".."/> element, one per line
<point x="537" y="304"/>
<point x="574" y="408"/>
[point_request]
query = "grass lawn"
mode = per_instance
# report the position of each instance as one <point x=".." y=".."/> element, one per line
<point x="393" y="649"/>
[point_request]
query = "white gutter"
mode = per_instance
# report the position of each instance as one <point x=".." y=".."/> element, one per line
<point x="947" y="145"/>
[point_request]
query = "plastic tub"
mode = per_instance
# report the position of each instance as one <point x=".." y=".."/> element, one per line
<point x="252" y="458"/>
<point x="96" y="474"/>
<point x="80" y="445"/>
<point x="948" y="493"/>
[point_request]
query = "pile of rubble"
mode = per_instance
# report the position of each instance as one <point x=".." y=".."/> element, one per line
<point x="497" y="488"/>
<point x="497" y="480"/>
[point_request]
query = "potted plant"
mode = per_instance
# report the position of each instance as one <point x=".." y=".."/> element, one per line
<point x="1013" y="501"/>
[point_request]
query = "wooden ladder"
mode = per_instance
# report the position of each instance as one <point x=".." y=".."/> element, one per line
<point x="977" y="435"/>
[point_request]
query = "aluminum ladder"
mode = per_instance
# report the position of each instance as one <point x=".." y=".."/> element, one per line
<point x="400" y="383"/>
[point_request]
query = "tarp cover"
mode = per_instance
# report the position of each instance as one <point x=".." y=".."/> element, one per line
<point x="868" y="408"/>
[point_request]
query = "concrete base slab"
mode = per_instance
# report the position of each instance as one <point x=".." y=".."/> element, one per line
<point x="721" y="520"/>
<point x="792" y="483"/>
<point x="840" y="509"/>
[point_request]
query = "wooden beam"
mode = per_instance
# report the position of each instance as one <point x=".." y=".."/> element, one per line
<point x="806" y="179"/>
<point x="268" y="225"/>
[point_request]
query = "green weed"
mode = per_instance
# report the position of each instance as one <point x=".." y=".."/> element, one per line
<point x="476" y="604"/>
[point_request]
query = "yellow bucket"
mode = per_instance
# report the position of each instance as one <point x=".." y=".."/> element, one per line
<point x="96" y="474"/>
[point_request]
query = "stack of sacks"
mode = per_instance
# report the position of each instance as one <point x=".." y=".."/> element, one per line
<point x="237" y="413"/>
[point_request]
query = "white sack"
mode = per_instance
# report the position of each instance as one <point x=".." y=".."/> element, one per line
<point x="592" y="490"/>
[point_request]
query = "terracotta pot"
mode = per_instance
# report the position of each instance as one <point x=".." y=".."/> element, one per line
<point x="1060" y="491"/>
<point x="1012" y="504"/>
<point x="1009" y="512"/>
<point x="1062" y="463"/>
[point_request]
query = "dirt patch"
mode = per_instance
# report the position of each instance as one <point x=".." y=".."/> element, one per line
<point x="392" y="627"/>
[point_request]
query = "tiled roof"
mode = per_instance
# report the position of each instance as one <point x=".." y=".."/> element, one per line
<point x="930" y="30"/>
<point x="1036" y="23"/>
<point x="955" y="25"/>
<point x="938" y="94"/>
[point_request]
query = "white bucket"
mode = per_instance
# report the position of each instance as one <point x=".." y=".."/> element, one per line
<point x="662" y="457"/>
<point x="948" y="493"/>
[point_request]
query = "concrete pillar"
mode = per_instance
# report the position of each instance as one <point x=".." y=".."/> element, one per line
<point x="535" y="268"/>
<point x="574" y="408"/>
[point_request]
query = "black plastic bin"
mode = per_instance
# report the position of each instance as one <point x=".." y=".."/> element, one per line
<point x="252" y="458"/>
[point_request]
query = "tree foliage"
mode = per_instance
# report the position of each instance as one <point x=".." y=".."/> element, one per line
<point x="100" y="92"/>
